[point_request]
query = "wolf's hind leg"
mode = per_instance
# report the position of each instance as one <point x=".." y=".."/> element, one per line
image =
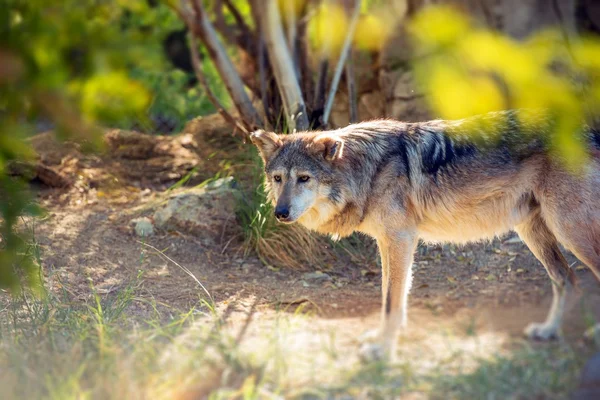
<point x="575" y="221"/>
<point x="585" y="244"/>
<point x="544" y="245"/>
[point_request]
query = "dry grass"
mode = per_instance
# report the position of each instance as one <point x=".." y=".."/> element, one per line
<point x="278" y="245"/>
<point x="62" y="348"/>
<point x="291" y="247"/>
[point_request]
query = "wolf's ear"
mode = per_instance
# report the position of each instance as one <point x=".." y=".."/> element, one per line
<point x="330" y="146"/>
<point x="266" y="142"/>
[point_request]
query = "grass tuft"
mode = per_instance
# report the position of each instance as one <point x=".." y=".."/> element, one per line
<point x="276" y="244"/>
<point x="59" y="347"/>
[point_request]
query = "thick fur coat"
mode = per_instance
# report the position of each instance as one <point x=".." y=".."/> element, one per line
<point x="441" y="181"/>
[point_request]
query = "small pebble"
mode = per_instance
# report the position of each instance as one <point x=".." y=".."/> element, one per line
<point x="143" y="227"/>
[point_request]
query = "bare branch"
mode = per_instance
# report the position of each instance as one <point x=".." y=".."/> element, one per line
<point x="290" y="22"/>
<point x="220" y="23"/>
<point x="302" y="58"/>
<point x="203" y="28"/>
<point x="340" y="65"/>
<point x="352" y="106"/>
<point x="204" y="82"/>
<point x="232" y="35"/>
<point x="262" y="76"/>
<point x="320" y="90"/>
<point x="240" y="33"/>
<point x="283" y="66"/>
<point x="239" y="19"/>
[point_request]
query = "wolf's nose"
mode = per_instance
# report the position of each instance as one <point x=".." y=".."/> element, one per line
<point x="282" y="213"/>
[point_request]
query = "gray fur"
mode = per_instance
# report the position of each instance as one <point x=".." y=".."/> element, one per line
<point x="442" y="181"/>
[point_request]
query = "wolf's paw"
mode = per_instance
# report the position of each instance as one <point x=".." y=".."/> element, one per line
<point x="542" y="332"/>
<point x="592" y="333"/>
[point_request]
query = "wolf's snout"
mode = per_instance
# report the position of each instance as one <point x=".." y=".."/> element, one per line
<point x="282" y="213"/>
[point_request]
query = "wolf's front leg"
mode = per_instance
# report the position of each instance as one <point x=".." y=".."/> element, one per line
<point x="397" y="253"/>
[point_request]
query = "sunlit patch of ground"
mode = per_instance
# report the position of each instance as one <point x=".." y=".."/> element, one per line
<point x="240" y="347"/>
<point x="121" y="321"/>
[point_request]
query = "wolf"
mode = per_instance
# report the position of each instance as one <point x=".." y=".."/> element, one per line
<point x="441" y="181"/>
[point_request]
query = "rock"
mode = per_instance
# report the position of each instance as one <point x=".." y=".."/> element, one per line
<point x="513" y="240"/>
<point x="404" y="85"/>
<point x="143" y="227"/>
<point x="316" y="276"/>
<point x="408" y="110"/>
<point x="200" y="211"/>
<point x="402" y="99"/>
<point x="533" y="15"/>
<point x="149" y="159"/>
<point x="31" y="170"/>
<point x="371" y="105"/>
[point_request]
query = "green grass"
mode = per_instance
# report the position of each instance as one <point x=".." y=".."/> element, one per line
<point x="276" y="244"/>
<point x="290" y="246"/>
<point x="62" y="347"/>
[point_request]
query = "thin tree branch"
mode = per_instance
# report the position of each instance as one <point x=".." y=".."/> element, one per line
<point x="352" y="98"/>
<point x="340" y="65"/>
<point x="240" y="33"/>
<point x="290" y="22"/>
<point x="204" y="82"/>
<point x="245" y="41"/>
<point x="283" y="66"/>
<point x="203" y="28"/>
<point x="320" y="90"/>
<point x="221" y="25"/>
<point x="262" y="76"/>
<point x="274" y="111"/>
<point x="239" y="19"/>
<point x="305" y="73"/>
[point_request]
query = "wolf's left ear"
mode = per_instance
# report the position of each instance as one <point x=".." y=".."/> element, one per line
<point x="331" y="147"/>
<point x="266" y="142"/>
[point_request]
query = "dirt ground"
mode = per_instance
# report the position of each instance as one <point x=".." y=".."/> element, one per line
<point x="494" y="289"/>
<point x="500" y="282"/>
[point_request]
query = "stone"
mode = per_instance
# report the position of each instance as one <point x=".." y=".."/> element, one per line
<point x="316" y="276"/>
<point x="404" y="85"/>
<point x="143" y="227"/>
<point x="513" y="240"/>
<point x="200" y="211"/>
<point x="371" y="106"/>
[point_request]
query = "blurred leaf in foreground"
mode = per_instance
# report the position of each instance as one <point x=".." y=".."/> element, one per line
<point x="64" y="62"/>
<point x="466" y="70"/>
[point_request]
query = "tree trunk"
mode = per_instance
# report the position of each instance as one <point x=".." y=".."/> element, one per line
<point x="204" y="29"/>
<point x="283" y="66"/>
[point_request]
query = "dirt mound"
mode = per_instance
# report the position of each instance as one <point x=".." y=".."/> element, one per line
<point x="130" y="158"/>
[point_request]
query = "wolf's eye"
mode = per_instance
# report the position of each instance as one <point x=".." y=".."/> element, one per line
<point x="277" y="178"/>
<point x="303" y="178"/>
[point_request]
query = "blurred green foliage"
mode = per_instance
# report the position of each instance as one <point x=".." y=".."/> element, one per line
<point x="175" y="96"/>
<point x="329" y="22"/>
<point x="77" y="65"/>
<point x="466" y="70"/>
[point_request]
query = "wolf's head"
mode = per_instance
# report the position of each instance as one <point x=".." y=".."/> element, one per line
<point x="300" y="174"/>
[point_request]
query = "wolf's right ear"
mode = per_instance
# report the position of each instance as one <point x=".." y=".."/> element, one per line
<point x="329" y="146"/>
<point x="266" y="142"/>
